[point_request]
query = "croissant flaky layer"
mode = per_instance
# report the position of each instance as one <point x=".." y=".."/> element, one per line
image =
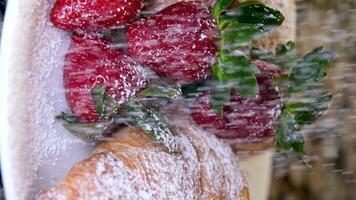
<point x="133" y="166"/>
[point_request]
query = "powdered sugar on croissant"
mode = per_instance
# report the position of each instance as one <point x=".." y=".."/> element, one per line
<point x="133" y="166"/>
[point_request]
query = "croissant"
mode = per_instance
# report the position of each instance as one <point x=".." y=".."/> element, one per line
<point x="133" y="166"/>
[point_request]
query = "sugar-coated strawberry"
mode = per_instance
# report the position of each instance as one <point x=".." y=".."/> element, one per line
<point x="177" y="42"/>
<point x="94" y="14"/>
<point x="90" y="63"/>
<point x="250" y="119"/>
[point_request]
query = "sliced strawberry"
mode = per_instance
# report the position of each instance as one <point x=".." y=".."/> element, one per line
<point x="177" y="42"/>
<point x="91" y="62"/>
<point x="94" y="14"/>
<point x="252" y="119"/>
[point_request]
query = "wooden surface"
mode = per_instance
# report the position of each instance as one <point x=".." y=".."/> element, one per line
<point x="331" y="143"/>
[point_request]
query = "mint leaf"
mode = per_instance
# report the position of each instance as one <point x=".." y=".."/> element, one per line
<point x="238" y="72"/>
<point x="311" y="70"/>
<point x="98" y="94"/>
<point x="237" y="35"/>
<point x="67" y="118"/>
<point x="220" y="96"/>
<point x="193" y="90"/>
<point x="232" y="71"/>
<point x="286" y="56"/>
<point x="169" y="92"/>
<point x="219" y="7"/>
<point x="288" y="135"/>
<point x="153" y="123"/>
<point x="86" y="131"/>
<point x="262" y="54"/>
<point x="283" y="49"/>
<point x="220" y="88"/>
<point x="254" y="13"/>
<point x="310" y="109"/>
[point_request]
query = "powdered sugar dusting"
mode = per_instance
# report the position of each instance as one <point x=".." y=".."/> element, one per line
<point x="121" y="169"/>
<point x="48" y="149"/>
<point x="216" y="157"/>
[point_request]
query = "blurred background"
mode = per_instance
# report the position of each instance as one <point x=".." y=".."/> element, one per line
<point x="331" y="142"/>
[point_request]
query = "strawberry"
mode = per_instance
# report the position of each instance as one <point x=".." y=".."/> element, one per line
<point x="251" y="119"/>
<point x="177" y="42"/>
<point x="94" y="14"/>
<point x="91" y="62"/>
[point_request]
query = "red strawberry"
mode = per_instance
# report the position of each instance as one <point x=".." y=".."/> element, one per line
<point x="252" y="119"/>
<point x="91" y="62"/>
<point x="177" y="42"/>
<point x="94" y="14"/>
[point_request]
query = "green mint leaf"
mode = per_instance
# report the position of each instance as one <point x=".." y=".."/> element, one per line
<point x="220" y="96"/>
<point x="110" y="107"/>
<point x="67" y="118"/>
<point x="219" y="7"/>
<point x="86" y="131"/>
<point x="247" y="3"/>
<point x="262" y="54"/>
<point x="169" y="92"/>
<point x="232" y="71"/>
<point x="309" y="109"/>
<point x="288" y="135"/>
<point x="286" y="56"/>
<point x="237" y="35"/>
<point x="255" y="13"/>
<point x="282" y="83"/>
<point x="238" y="72"/>
<point x="283" y="49"/>
<point x="98" y="94"/>
<point x="153" y="123"/>
<point x="311" y="70"/>
<point x="193" y="90"/>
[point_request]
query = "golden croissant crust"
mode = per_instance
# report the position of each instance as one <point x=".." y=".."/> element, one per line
<point x="133" y="166"/>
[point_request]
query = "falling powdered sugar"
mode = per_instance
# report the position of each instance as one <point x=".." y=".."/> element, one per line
<point x="133" y="166"/>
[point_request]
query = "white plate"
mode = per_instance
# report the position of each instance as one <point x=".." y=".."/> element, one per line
<point x="35" y="149"/>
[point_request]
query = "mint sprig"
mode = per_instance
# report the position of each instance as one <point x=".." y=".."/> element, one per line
<point x="98" y="94"/>
<point x="134" y="113"/>
<point x="169" y="92"/>
<point x="252" y="12"/>
<point x="152" y="122"/>
<point x="285" y="56"/>
<point x="288" y="135"/>
<point x="220" y="7"/>
<point x="238" y="26"/>
<point x="299" y="76"/>
<point x="85" y="131"/>
<point x="311" y="70"/>
<point x="309" y="109"/>
<point x="237" y="35"/>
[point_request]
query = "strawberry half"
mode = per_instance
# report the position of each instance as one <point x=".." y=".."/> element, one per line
<point x="177" y="42"/>
<point x="91" y="62"/>
<point x="251" y="119"/>
<point x="94" y="14"/>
